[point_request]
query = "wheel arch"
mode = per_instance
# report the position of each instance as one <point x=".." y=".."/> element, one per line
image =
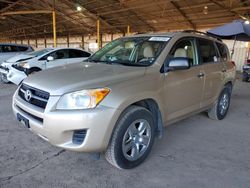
<point x="229" y="84"/>
<point x="153" y="107"/>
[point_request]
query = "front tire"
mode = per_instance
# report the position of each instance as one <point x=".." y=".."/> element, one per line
<point x="132" y="138"/>
<point x="220" y="108"/>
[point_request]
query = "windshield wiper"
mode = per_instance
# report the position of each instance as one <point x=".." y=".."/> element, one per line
<point x="129" y="64"/>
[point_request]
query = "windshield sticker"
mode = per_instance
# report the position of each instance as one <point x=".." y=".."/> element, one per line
<point x="162" y="39"/>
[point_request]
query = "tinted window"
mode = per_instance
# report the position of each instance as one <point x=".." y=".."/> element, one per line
<point x="60" y="54"/>
<point x="6" y="48"/>
<point x="223" y="51"/>
<point x="207" y="51"/>
<point x="22" y="48"/>
<point x="184" y="48"/>
<point x="78" y="54"/>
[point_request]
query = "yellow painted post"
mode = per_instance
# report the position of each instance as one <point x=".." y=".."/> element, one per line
<point x="98" y="34"/>
<point x="54" y="27"/>
<point x="128" y="29"/>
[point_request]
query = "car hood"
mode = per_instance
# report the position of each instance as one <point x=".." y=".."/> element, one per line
<point x="74" y="77"/>
<point x="20" y="57"/>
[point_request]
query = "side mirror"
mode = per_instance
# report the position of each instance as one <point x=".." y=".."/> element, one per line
<point x="50" y="58"/>
<point x="178" y="63"/>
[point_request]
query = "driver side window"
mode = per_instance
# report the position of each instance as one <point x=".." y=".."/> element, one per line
<point x="184" y="48"/>
<point x="59" y="54"/>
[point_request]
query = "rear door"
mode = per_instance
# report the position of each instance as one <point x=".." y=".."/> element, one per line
<point x="183" y="88"/>
<point x="213" y="70"/>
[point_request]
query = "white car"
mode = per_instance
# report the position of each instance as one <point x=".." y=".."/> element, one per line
<point x="17" y="68"/>
<point x="8" y="50"/>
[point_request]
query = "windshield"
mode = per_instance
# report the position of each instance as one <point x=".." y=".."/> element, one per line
<point x="132" y="51"/>
<point x="39" y="52"/>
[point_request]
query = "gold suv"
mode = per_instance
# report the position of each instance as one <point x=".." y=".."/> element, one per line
<point x="120" y="99"/>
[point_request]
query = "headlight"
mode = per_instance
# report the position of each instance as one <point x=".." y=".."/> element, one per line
<point x="24" y="65"/>
<point x="84" y="99"/>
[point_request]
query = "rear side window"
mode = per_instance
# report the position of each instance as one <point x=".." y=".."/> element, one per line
<point x="60" y="54"/>
<point x="224" y="54"/>
<point x="22" y="48"/>
<point x="78" y="54"/>
<point x="9" y="48"/>
<point x="207" y="51"/>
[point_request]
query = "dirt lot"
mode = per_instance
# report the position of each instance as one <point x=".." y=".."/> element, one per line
<point x="196" y="152"/>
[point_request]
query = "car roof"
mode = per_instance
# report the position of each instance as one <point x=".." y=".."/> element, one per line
<point x="188" y="33"/>
<point x="62" y="48"/>
<point x="14" y="44"/>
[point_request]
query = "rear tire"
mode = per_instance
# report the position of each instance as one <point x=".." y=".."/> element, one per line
<point x="132" y="138"/>
<point x="220" y="108"/>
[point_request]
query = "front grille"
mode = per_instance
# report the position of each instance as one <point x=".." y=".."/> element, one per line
<point x="33" y="116"/>
<point x="37" y="97"/>
<point x="79" y="136"/>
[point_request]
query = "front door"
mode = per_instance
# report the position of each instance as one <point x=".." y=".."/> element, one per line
<point x="60" y="58"/>
<point x="183" y="88"/>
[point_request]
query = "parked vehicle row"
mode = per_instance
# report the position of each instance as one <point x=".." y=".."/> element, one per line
<point x="8" y="50"/>
<point x="246" y="71"/>
<point x="17" y="68"/>
<point x="118" y="101"/>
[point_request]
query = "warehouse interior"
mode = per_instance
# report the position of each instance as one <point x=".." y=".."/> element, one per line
<point x="195" y="152"/>
<point x="76" y="21"/>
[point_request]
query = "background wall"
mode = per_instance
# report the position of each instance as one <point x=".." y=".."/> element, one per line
<point x="240" y="52"/>
<point x="87" y="42"/>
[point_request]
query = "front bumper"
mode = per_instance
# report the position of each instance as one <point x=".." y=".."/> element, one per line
<point x="58" y="126"/>
<point x="16" y="76"/>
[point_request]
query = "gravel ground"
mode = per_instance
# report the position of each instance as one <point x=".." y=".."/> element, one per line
<point x="196" y="152"/>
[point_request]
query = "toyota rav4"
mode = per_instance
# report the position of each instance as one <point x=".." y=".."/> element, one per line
<point x="118" y="101"/>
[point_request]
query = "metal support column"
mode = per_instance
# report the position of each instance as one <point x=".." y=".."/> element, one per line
<point x="98" y="34"/>
<point x="128" y="30"/>
<point x="54" y="27"/>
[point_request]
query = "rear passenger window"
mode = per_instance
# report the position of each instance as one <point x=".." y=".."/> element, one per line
<point x="6" y="48"/>
<point x="22" y="48"/>
<point x="78" y="54"/>
<point x="224" y="54"/>
<point x="9" y="48"/>
<point x="207" y="51"/>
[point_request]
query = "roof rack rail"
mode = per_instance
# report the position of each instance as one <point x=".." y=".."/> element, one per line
<point x="203" y="33"/>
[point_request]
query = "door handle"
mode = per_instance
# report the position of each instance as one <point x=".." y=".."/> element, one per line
<point x="201" y="75"/>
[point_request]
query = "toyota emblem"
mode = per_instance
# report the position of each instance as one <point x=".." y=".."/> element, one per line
<point x="28" y="95"/>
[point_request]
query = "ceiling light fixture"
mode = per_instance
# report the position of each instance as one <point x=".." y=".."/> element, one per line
<point x="79" y="8"/>
<point x="205" y="10"/>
